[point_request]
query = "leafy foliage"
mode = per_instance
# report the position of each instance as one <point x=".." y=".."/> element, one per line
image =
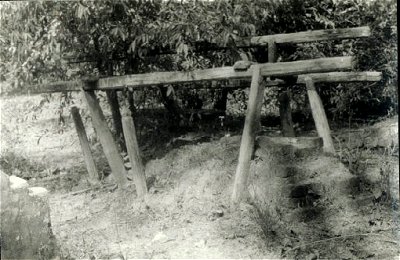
<point x="43" y="41"/>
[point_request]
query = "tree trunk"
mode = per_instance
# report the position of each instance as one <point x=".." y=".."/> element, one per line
<point x="222" y="99"/>
<point x="172" y="107"/>
<point x="285" y="113"/>
<point x="112" y="98"/>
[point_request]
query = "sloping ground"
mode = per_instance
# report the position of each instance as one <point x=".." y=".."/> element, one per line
<point x="185" y="216"/>
<point x="319" y="209"/>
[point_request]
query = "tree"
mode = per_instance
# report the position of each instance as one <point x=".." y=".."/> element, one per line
<point x="46" y="41"/>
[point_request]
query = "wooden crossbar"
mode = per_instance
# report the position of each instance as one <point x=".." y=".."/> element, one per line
<point x="312" y="36"/>
<point x="341" y="77"/>
<point x="222" y="73"/>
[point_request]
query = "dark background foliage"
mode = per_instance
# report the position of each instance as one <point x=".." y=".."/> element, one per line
<point x="43" y="41"/>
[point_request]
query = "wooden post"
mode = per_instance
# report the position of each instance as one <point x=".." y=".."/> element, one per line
<point x="87" y="153"/>
<point x="272" y="51"/>
<point x="248" y="137"/>
<point x="320" y="119"/>
<point x="285" y="112"/>
<point x="112" y="99"/>
<point x="133" y="150"/>
<point x="106" y="139"/>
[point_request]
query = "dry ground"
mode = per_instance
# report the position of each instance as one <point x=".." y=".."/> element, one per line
<point x="186" y="214"/>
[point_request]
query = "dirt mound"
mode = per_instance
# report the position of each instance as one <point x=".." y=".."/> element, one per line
<point x="310" y="200"/>
<point x="186" y="214"/>
<point x="310" y="205"/>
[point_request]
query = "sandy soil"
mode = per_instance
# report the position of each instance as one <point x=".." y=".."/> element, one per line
<point x="186" y="214"/>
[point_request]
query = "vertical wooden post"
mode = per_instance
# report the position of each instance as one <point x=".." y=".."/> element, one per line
<point x="248" y="137"/>
<point x="285" y="112"/>
<point x="133" y="150"/>
<point x="106" y="139"/>
<point x="112" y="99"/>
<point x="272" y="51"/>
<point x="320" y="119"/>
<point x="87" y="153"/>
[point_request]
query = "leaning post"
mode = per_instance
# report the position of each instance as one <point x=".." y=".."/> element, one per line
<point x="83" y="140"/>
<point x="107" y="141"/>
<point x="132" y="146"/>
<point x="248" y="137"/>
<point x="319" y="115"/>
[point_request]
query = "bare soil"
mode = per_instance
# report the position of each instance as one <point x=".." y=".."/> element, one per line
<point x="187" y="214"/>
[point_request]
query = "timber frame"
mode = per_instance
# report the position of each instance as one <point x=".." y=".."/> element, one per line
<point x="308" y="72"/>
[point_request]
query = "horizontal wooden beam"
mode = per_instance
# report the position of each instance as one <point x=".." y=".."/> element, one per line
<point x="370" y="76"/>
<point x="222" y="73"/>
<point x="312" y="36"/>
<point x="58" y="86"/>
<point x="341" y="77"/>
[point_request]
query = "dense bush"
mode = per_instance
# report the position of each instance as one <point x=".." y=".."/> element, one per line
<point x="46" y="41"/>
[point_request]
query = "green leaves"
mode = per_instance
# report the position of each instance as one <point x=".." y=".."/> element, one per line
<point x="82" y="11"/>
<point x="118" y="31"/>
<point x="50" y="40"/>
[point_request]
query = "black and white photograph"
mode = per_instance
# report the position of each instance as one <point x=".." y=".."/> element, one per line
<point x="199" y="129"/>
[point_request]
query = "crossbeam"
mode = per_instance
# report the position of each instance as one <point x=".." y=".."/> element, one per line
<point x="222" y="73"/>
<point x="312" y="36"/>
<point x="341" y="77"/>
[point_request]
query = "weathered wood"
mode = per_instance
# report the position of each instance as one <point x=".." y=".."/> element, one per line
<point x="285" y="111"/>
<point x="311" y="36"/>
<point x="320" y="119"/>
<point x="259" y="103"/>
<point x="85" y="146"/>
<point x="133" y="151"/>
<point x="341" y="77"/>
<point x="272" y="53"/>
<point x="112" y="99"/>
<point x="285" y="114"/>
<point x="161" y="78"/>
<point x="248" y="137"/>
<point x="59" y="86"/>
<point x="267" y="69"/>
<point x="106" y="139"/>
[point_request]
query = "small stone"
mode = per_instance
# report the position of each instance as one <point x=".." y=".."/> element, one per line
<point x="160" y="237"/>
<point x="218" y="213"/>
<point x="17" y="183"/>
<point x="38" y="191"/>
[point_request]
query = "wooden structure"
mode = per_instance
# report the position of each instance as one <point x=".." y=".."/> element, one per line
<point x="307" y="72"/>
<point x="87" y="154"/>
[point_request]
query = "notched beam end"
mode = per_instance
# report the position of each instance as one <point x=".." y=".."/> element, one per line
<point x="90" y="83"/>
